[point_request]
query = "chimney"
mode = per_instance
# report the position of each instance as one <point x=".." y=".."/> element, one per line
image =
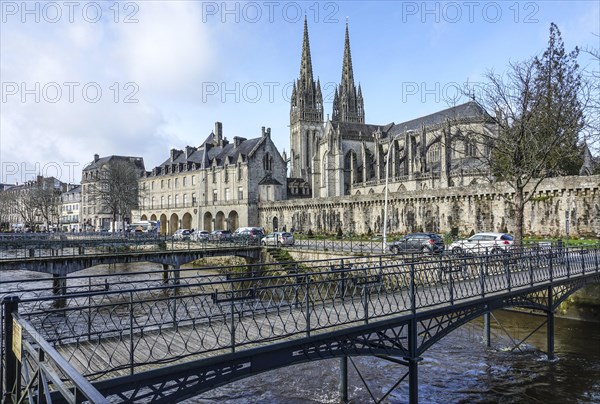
<point x="173" y="154"/>
<point x="263" y="131"/>
<point x="188" y="151"/>
<point x="237" y="141"/>
<point x="96" y="157"/>
<point x="218" y="133"/>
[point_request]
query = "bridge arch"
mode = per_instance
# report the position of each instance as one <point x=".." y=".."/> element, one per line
<point x="208" y="221"/>
<point x="186" y="221"/>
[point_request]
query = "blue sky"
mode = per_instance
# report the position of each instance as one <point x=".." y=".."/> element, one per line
<point x="141" y="77"/>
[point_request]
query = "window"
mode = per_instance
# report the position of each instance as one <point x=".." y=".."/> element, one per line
<point x="176" y="200"/>
<point x="169" y="183"/>
<point x="194" y="200"/>
<point x="214" y="176"/>
<point x="184" y="200"/>
<point x="168" y="201"/>
<point x="152" y="206"/>
<point x="184" y="181"/>
<point x="176" y="182"/>
<point x="267" y="162"/>
<point x="162" y="184"/>
<point x="193" y="180"/>
<point x="214" y="195"/>
<point x="226" y="174"/>
<point x="152" y="185"/>
<point x="240" y="193"/>
<point x="226" y="194"/>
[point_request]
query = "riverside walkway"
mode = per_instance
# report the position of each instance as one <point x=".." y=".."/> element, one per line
<point x="133" y="338"/>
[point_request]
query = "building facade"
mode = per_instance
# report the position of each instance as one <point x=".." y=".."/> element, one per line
<point x="34" y="205"/>
<point x="95" y="215"/>
<point x="70" y="219"/>
<point x="214" y="186"/>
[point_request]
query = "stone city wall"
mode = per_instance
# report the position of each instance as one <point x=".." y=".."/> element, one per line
<point x="560" y="204"/>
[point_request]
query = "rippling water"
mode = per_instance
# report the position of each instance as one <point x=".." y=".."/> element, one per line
<point x="458" y="369"/>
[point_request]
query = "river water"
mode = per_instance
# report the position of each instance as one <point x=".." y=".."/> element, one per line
<point x="458" y="369"/>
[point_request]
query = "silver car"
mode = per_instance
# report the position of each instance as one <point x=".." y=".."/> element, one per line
<point x="493" y="243"/>
<point x="278" y="239"/>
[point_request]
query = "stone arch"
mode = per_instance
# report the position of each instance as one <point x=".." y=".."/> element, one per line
<point x="233" y="219"/>
<point x="144" y="217"/>
<point x="153" y="217"/>
<point x="163" y="224"/>
<point x="371" y="191"/>
<point x="173" y="223"/>
<point x="401" y="188"/>
<point x="275" y="223"/>
<point x="220" y="221"/>
<point x="186" y="221"/>
<point x="207" y="221"/>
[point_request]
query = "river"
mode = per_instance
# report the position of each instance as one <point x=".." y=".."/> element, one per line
<point x="458" y="369"/>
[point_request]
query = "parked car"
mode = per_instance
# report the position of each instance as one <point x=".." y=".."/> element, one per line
<point x="426" y="243"/>
<point x="278" y="239"/>
<point x="220" y="236"/>
<point x="248" y="235"/>
<point x="182" y="234"/>
<point x="483" y="243"/>
<point x="200" y="236"/>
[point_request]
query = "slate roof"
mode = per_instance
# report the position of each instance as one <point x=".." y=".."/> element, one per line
<point x="96" y="164"/>
<point x="468" y="110"/>
<point x="207" y="152"/>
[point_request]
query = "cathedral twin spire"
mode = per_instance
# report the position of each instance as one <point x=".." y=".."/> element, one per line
<point x="348" y="104"/>
<point x="307" y="99"/>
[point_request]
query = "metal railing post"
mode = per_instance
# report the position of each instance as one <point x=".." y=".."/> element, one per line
<point x="413" y="298"/>
<point x="131" y="357"/>
<point x="11" y="379"/>
<point x="307" y="300"/>
<point x="507" y="271"/>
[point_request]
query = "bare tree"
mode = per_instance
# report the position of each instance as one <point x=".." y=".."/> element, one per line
<point x="46" y="201"/>
<point x="538" y="116"/>
<point x="7" y="203"/>
<point x="116" y="191"/>
<point x="26" y="207"/>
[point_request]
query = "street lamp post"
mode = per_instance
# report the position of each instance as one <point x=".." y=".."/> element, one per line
<point x="387" y="181"/>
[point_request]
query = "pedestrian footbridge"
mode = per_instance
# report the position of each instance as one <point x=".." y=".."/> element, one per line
<point x="133" y="338"/>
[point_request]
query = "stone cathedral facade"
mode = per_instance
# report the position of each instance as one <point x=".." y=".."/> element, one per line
<point x="432" y="164"/>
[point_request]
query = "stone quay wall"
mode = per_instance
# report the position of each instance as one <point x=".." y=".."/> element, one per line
<point x="562" y="206"/>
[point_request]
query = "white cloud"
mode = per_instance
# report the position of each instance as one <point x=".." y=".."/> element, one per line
<point x="45" y="120"/>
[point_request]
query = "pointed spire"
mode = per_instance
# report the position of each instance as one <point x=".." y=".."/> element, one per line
<point x="349" y="106"/>
<point x="306" y="74"/>
<point x="347" y="74"/>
